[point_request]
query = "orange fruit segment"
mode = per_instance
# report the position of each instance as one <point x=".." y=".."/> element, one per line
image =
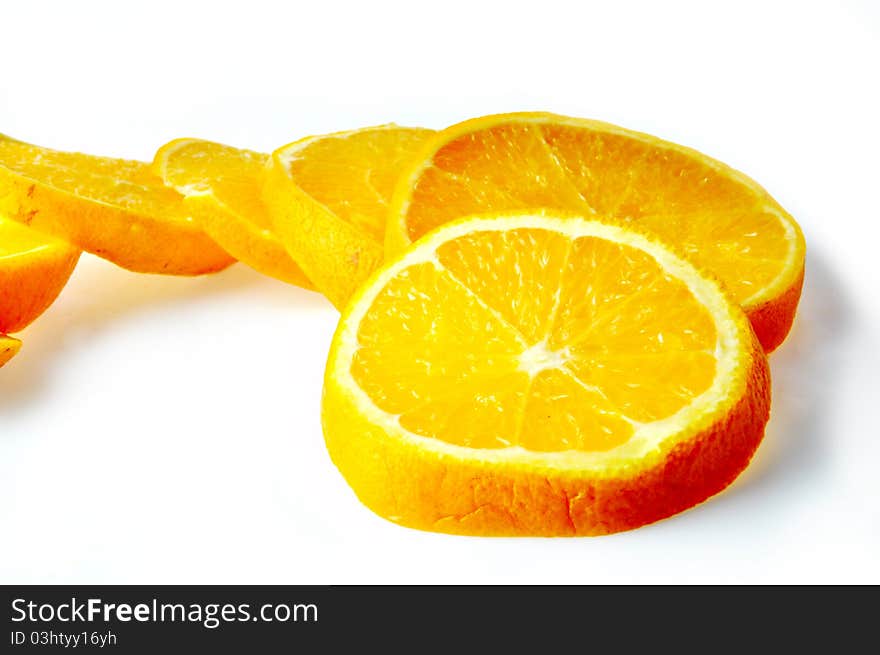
<point x="9" y="348"/>
<point x="713" y="214"/>
<point x="115" y="208"/>
<point x="541" y="374"/>
<point x="328" y="198"/>
<point x="222" y="188"/>
<point x="33" y="270"/>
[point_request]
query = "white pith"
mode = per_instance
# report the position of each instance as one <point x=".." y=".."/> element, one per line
<point x="539" y="357"/>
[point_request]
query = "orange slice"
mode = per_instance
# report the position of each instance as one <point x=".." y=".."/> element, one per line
<point x="9" y="347"/>
<point x="222" y="188"/>
<point x="33" y="270"/>
<point x="715" y="215"/>
<point x="541" y="375"/>
<point x="328" y="197"/>
<point x="114" y="208"/>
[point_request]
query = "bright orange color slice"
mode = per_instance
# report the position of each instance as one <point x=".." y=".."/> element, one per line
<point x="33" y="270"/>
<point x="9" y="347"/>
<point x="328" y="197"/>
<point x="541" y="375"/>
<point x="715" y="215"/>
<point x="222" y="188"/>
<point x="114" y="208"/>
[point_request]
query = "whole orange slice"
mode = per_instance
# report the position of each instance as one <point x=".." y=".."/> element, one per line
<point x="328" y="198"/>
<point x="716" y="216"/>
<point x="9" y="347"/>
<point x="541" y="375"/>
<point x="222" y="188"/>
<point x="115" y="208"/>
<point x="33" y="270"/>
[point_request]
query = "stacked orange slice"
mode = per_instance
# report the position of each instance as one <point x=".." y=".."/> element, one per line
<point x="222" y="188"/>
<point x="328" y="198"/>
<point x="716" y="216"/>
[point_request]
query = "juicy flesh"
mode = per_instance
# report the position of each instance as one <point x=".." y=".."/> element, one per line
<point x="231" y="175"/>
<point x="120" y="182"/>
<point x="529" y="338"/>
<point x="353" y="175"/>
<point x="718" y="222"/>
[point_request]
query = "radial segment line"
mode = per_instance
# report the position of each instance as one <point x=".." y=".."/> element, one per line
<point x="454" y="392"/>
<point x="599" y="321"/>
<point x="481" y="302"/>
<point x="521" y="416"/>
<point x="368" y="181"/>
<point x="557" y="300"/>
<point x="565" y="174"/>
<point x="594" y="389"/>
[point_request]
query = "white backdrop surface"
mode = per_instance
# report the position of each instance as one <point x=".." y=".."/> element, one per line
<point x="163" y="430"/>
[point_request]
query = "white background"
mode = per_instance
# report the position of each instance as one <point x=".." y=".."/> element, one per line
<point x="162" y="430"/>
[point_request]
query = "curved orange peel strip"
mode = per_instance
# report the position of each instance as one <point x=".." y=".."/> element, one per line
<point x="114" y="208"/>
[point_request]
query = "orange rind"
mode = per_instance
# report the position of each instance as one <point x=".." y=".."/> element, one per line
<point x="33" y="270"/>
